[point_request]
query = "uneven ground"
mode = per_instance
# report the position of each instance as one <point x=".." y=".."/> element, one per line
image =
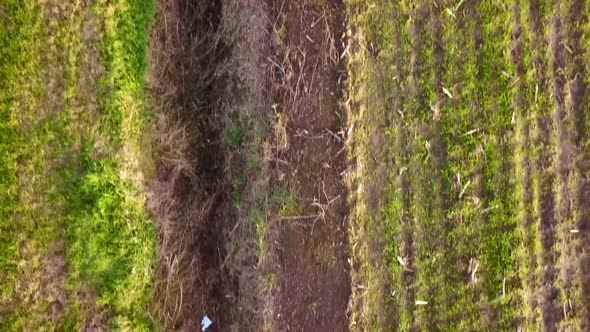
<point x="278" y="165"/>
<point x="470" y="190"/>
<point x="307" y="239"/>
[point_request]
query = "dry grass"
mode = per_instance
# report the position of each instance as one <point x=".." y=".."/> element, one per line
<point x="180" y="206"/>
<point x="208" y="137"/>
<point x="173" y="144"/>
<point x="182" y="43"/>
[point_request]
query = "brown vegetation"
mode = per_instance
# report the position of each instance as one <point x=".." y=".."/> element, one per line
<point x="187" y="196"/>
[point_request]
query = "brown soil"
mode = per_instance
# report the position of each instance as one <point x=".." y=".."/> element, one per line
<point x="539" y="43"/>
<point x="53" y="280"/>
<point x="564" y="141"/>
<point x="52" y="274"/>
<point x="207" y="63"/>
<point x="567" y="116"/>
<point x="548" y="237"/>
<point x="312" y="286"/>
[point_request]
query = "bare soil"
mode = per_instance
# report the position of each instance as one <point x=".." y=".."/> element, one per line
<point x="313" y="285"/>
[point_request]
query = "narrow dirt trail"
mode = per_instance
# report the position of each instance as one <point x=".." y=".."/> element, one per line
<point x="312" y="280"/>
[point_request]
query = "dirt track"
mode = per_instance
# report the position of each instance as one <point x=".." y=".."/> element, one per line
<point x="310" y="246"/>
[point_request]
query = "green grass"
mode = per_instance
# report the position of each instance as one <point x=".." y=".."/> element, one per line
<point x="243" y="136"/>
<point x="257" y="219"/>
<point x="269" y="279"/>
<point x="18" y="52"/>
<point x="286" y="203"/>
<point x="72" y="165"/>
<point x="21" y="53"/>
<point x="234" y="135"/>
<point x="112" y="240"/>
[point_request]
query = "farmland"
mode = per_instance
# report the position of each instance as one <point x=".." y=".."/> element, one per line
<point x="479" y="207"/>
<point x="276" y="165"/>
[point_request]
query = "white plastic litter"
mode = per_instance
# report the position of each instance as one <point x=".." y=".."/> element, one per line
<point x="401" y="261"/>
<point x="205" y="323"/>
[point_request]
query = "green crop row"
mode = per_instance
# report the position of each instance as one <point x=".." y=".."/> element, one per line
<point x="461" y="123"/>
<point x="377" y="289"/>
<point x="498" y="234"/>
<point x="397" y="210"/>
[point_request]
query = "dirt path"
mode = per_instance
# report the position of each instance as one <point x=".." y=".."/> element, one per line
<point x="312" y="280"/>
